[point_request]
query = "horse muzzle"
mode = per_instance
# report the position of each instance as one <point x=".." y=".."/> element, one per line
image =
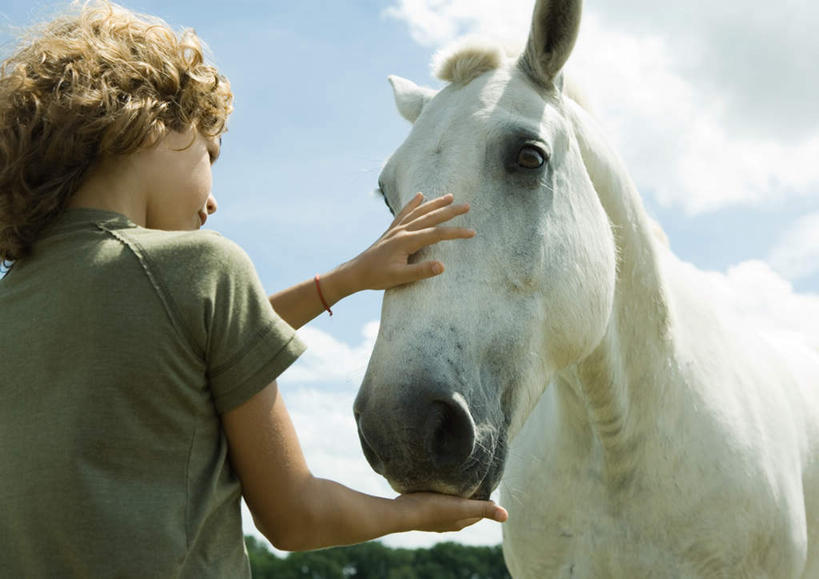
<point x="424" y="437"/>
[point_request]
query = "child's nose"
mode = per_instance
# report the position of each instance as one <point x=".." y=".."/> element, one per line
<point x="212" y="206"/>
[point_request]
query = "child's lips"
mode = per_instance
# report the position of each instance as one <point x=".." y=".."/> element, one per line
<point x="203" y="217"/>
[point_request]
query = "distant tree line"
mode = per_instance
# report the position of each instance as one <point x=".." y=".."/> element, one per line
<point x="376" y="561"/>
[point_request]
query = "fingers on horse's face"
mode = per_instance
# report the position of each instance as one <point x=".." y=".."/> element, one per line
<point x="531" y="294"/>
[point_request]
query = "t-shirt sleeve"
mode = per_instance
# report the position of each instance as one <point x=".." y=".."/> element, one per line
<point x="247" y="344"/>
<point x="226" y="312"/>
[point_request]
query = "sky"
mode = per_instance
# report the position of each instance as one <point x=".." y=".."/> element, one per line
<point x="711" y="105"/>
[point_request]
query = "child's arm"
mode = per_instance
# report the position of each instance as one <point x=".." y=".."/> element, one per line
<point x="383" y="265"/>
<point x="297" y="511"/>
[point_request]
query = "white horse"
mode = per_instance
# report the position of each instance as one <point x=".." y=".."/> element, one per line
<point x="654" y="434"/>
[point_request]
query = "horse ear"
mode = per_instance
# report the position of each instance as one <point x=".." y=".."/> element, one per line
<point x="409" y="97"/>
<point x="555" y="24"/>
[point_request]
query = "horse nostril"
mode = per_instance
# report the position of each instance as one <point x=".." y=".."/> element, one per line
<point x="449" y="432"/>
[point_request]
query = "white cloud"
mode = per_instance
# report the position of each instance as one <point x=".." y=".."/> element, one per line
<point x="758" y="55"/>
<point x="765" y="300"/>
<point x="695" y="118"/>
<point x="437" y="22"/>
<point x="673" y="137"/>
<point x="330" y="360"/>
<point x="796" y="255"/>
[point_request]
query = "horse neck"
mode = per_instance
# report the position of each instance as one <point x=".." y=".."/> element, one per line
<point x="618" y="382"/>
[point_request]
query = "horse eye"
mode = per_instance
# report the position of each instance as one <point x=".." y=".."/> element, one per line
<point x="531" y="157"/>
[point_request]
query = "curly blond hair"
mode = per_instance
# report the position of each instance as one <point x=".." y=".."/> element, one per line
<point x="96" y="82"/>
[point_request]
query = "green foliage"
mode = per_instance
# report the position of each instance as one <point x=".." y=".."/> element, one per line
<point x="375" y="561"/>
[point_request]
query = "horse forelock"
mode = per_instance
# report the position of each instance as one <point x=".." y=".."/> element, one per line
<point x="468" y="59"/>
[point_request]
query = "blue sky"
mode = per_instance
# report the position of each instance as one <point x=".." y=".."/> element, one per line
<point x="719" y="133"/>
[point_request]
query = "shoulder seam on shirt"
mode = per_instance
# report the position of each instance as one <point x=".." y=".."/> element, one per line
<point x="162" y="292"/>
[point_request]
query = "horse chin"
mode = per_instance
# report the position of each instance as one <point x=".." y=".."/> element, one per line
<point x="426" y="487"/>
<point x="480" y="485"/>
<point x="479" y="493"/>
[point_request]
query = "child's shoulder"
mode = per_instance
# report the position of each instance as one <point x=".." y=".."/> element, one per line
<point x="194" y="254"/>
<point x="190" y="245"/>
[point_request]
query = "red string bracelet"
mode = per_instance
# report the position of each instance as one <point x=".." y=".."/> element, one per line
<point x="321" y="295"/>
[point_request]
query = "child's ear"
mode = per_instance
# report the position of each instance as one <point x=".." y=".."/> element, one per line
<point x="409" y="97"/>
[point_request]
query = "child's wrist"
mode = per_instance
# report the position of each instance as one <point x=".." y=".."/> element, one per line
<point x="338" y="284"/>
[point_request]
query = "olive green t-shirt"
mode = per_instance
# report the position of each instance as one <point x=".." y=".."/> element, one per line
<point x="120" y="347"/>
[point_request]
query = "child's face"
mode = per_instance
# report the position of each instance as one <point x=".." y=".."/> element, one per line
<point x="177" y="179"/>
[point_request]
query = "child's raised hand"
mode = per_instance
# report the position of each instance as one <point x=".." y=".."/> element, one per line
<point x="441" y="513"/>
<point x="385" y="264"/>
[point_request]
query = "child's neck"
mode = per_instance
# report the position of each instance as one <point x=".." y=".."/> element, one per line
<point x="112" y="186"/>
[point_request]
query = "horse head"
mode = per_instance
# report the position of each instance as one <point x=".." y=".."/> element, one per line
<point x="461" y="359"/>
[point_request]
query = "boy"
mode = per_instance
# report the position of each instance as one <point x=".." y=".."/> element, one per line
<point x="140" y="354"/>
